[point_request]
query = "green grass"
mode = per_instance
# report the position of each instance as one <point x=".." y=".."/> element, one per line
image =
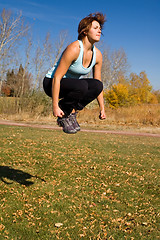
<point x="98" y="186"/>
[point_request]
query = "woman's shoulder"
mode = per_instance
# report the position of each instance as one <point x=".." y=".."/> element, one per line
<point x="98" y="54"/>
<point x="74" y="47"/>
<point x="72" y="50"/>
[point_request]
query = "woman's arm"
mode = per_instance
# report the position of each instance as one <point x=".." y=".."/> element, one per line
<point x="70" y="54"/>
<point x="97" y="75"/>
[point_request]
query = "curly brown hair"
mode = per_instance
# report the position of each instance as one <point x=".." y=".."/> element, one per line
<point x="86" y="23"/>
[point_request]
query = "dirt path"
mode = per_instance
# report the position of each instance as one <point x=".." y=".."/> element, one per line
<point x="12" y="123"/>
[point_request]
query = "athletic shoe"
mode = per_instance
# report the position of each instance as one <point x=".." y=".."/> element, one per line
<point x="73" y="119"/>
<point x="66" y="124"/>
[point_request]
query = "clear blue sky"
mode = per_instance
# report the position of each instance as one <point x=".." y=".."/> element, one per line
<point x="133" y="25"/>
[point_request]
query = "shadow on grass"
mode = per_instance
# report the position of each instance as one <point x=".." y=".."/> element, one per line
<point x="16" y="175"/>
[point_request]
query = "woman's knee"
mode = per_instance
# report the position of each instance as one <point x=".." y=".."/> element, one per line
<point x="98" y="86"/>
<point x="47" y="86"/>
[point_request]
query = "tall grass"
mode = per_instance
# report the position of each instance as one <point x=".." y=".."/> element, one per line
<point x="37" y="103"/>
<point x="141" y="115"/>
<point x="39" y="106"/>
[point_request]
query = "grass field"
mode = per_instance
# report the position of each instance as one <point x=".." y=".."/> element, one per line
<point x="97" y="186"/>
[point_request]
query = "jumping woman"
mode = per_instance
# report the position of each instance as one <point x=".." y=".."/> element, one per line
<point x="65" y="83"/>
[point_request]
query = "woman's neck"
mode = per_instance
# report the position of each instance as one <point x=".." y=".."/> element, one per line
<point x="87" y="44"/>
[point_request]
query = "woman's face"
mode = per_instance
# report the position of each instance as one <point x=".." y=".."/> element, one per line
<point x="94" y="32"/>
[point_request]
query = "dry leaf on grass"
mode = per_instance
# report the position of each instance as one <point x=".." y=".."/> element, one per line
<point x="58" y="225"/>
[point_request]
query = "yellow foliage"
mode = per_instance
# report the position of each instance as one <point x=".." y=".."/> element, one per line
<point x="117" y="95"/>
<point x="111" y="98"/>
<point x="140" y="87"/>
<point x="136" y="91"/>
<point x="152" y="99"/>
<point x="157" y="94"/>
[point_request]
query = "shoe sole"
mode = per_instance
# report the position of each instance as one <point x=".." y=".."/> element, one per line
<point x="70" y="132"/>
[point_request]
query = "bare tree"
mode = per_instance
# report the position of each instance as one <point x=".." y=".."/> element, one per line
<point x="12" y="29"/>
<point x="114" y="65"/>
<point x="46" y="56"/>
<point x="59" y="45"/>
<point x="25" y="76"/>
<point x="106" y="69"/>
<point x="41" y="60"/>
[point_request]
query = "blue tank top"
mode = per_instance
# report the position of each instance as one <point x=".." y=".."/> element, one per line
<point x="76" y="69"/>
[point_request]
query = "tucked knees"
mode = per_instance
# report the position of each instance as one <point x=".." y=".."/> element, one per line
<point x="47" y="86"/>
<point x="95" y="87"/>
<point x="86" y="89"/>
<point x="75" y="93"/>
<point x="75" y="88"/>
<point x="98" y="87"/>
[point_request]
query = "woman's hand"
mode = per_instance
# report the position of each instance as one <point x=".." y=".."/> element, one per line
<point x="102" y="115"/>
<point x="57" y="112"/>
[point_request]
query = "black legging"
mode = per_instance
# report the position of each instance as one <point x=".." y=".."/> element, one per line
<point x="74" y="93"/>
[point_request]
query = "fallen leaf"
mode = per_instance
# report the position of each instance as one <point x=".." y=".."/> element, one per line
<point x="58" y="225"/>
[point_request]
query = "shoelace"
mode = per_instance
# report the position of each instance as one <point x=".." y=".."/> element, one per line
<point x="66" y="122"/>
